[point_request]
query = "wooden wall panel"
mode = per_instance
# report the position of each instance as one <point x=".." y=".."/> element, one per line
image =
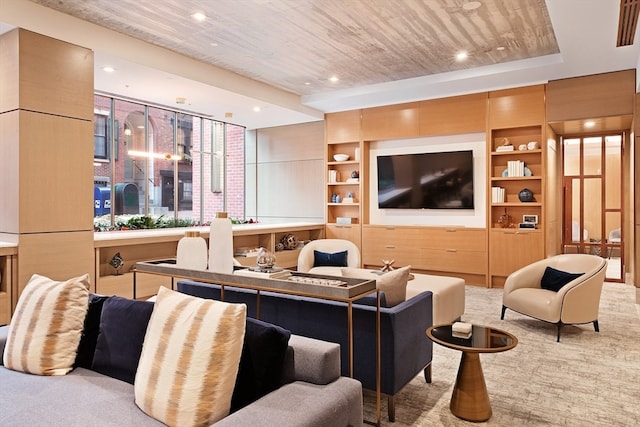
<point x="55" y="173"/>
<point x="517" y="107"/>
<point x="59" y="256"/>
<point x="343" y="126"/>
<point x="599" y="95"/>
<point x="9" y="71"/>
<point x="393" y="121"/>
<point x="9" y="212"/>
<point x="55" y="77"/>
<point x="454" y="115"/>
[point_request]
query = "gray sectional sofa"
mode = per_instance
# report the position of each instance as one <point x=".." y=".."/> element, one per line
<point x="311" y="392"/>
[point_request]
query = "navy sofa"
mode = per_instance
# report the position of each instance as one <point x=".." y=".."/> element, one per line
<point x="405" y="349"/>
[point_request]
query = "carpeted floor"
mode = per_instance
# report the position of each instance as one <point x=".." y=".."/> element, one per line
<point x="587" y="379"/>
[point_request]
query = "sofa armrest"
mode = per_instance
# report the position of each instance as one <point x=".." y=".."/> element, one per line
<point x="4" y="333"/>
<point x="312" y="361"/>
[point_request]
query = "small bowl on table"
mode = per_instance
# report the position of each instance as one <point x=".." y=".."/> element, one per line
<point x="340" y="157"/>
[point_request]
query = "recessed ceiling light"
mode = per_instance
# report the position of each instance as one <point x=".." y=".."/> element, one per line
<point x="256" y="109"/>
<point x="500" y="48"/>
<point x="108" y="69"/>
<point x="199" y="16"/>
<point x="214" y="44"/>
<point x="589" y="124"/>
<point x="461" y="56"/>
<point x="471" y="5"/>
<point x="307" y="83"/>
<point x="333" y="79"/>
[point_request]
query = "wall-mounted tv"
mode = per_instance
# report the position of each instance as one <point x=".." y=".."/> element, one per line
<point x="441" y="180"/>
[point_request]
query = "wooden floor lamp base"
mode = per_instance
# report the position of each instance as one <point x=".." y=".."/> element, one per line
<point x="470" y="400"/>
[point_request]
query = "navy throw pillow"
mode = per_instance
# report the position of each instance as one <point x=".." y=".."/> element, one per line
<point x="261" y="364"/>
<point x="87" y="346"/>
<point x="123" y="325"/>
<point x="553" y="280"/>
<point x="325" y="259"/>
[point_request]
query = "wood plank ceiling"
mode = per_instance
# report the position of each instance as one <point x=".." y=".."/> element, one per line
<point x="297" y="45"/>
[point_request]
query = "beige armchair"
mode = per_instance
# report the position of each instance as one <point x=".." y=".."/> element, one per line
<point x="306" y="258"/>
<point x="576" y="302"/>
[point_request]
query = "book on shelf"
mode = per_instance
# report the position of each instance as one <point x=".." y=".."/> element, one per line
<point x="333" y="176"/>
<point x="353" y="180"/>
<point x="264" y="273"/>
<point x="246" y="252"/>
<point x="515" y="168"/>
<point x="502" y="148"/>
<point x="497" y="195"/>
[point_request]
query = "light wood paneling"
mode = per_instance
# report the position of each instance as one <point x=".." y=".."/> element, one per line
<point x="600" y="95"/>
<point x="9" y="71"/>
<point x="343" y="126"/>
<point x="454" y="115"/>
<point x="512" y="249"/>
<point x="55" y="77"/>
<point x="346" y="232"/>
<point x="524" y="106"/>
<point x="393" y="121"/>
<point x="56" y="173"/>
<point x="9" y="166"/>
<point x="59" y="256"/>
<point x="122" y="285"/>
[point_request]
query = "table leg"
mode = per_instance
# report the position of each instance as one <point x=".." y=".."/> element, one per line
<point x="470" y="400"/>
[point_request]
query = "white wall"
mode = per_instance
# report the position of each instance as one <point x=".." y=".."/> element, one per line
<point x="432" y="217"/>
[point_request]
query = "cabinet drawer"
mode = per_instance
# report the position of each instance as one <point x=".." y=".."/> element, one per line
<point x="391" y="236"/>
<point x="454" y="238"/>
<point x="453" y="260"/>
<point x="403" y="255"/>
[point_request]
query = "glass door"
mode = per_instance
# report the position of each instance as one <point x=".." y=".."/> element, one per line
<point x="593" y="199"/>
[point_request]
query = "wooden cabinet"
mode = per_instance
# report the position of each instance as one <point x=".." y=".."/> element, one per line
<point x="511" y="174"/>
<point x="8" y="255"/>
<point x="453" y="251"/>
<point x="143" y="245"/>
<point x="344" y="178"/>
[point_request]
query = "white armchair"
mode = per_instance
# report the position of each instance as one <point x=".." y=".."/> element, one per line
<point x="576" y="302"/>
<point x="306" y="258"/>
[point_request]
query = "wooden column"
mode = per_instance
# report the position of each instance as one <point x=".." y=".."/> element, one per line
<point x="46" y="155"/>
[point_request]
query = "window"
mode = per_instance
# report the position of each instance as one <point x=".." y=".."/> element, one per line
<point x="100" y="144"/>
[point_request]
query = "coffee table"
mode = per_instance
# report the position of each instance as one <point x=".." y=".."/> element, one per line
<point x="470" y="400"/>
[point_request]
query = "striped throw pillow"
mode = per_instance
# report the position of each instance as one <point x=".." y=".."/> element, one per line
<point x="46" y="327"/>
<point x="190" y="359"/>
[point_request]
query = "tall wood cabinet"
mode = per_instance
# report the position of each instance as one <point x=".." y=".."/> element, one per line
<point x="344" y="177"/>
<point x="516" y="183"/>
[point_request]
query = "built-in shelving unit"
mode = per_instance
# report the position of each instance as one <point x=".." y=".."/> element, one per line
<point x="8" y="253"/>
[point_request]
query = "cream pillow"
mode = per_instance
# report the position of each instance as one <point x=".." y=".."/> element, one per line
<point x="190" y="359"/>
<point x="393" y="283"/>
<point x="46" y="327"/>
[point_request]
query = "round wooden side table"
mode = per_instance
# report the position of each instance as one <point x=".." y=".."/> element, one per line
<point x="470" y="400"/>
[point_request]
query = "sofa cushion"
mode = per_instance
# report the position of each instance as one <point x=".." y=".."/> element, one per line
<point x="123" y="325"/>
<point x="87" y="347"/>
<point x="393" y="283"/>
<point x="262" y="362"/>
<point x="47" y="325"/>
<point x="553" y="280"/>
<point x="327" y="259"/>
<point x="190" y="359"/>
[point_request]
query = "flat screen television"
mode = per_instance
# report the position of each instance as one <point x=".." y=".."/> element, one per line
<point x="441" y="180"/>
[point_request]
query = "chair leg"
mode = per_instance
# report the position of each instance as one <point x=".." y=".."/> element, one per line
<point x="427" y="373"/>
<point x="559" y="324"/>
<point x="595" y="326"/>
<point x="391" y="408"/>
<point x="504" y="308"/>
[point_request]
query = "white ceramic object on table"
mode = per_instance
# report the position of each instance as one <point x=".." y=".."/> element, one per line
<point x="340" y="157"/>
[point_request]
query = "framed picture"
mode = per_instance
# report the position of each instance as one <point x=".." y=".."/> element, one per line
<point x="530" y="219"/>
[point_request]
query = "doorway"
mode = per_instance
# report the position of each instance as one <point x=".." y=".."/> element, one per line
<point x="593" y="199"/>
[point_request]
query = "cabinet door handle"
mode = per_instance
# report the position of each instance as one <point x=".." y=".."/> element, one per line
<point x="390" y="228"/>
<point x="390" y="246"/>
<point x="451" y="250"/>
<point x="510" y="232"/>
<point x="451" y="230"/>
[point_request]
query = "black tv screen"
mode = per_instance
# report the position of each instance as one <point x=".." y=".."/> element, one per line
<point x="441" y="180"/>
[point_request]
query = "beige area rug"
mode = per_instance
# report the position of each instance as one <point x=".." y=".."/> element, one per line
<point x="587" y="379"/>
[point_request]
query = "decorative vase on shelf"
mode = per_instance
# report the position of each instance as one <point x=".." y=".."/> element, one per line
<point x="525" y="195"/>
<point x="505" y="220"/>
<point x="192" y="252"/>
<point x="221" y="244"/>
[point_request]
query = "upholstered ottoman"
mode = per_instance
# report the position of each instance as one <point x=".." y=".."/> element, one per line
<point x="448" y="295"/>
